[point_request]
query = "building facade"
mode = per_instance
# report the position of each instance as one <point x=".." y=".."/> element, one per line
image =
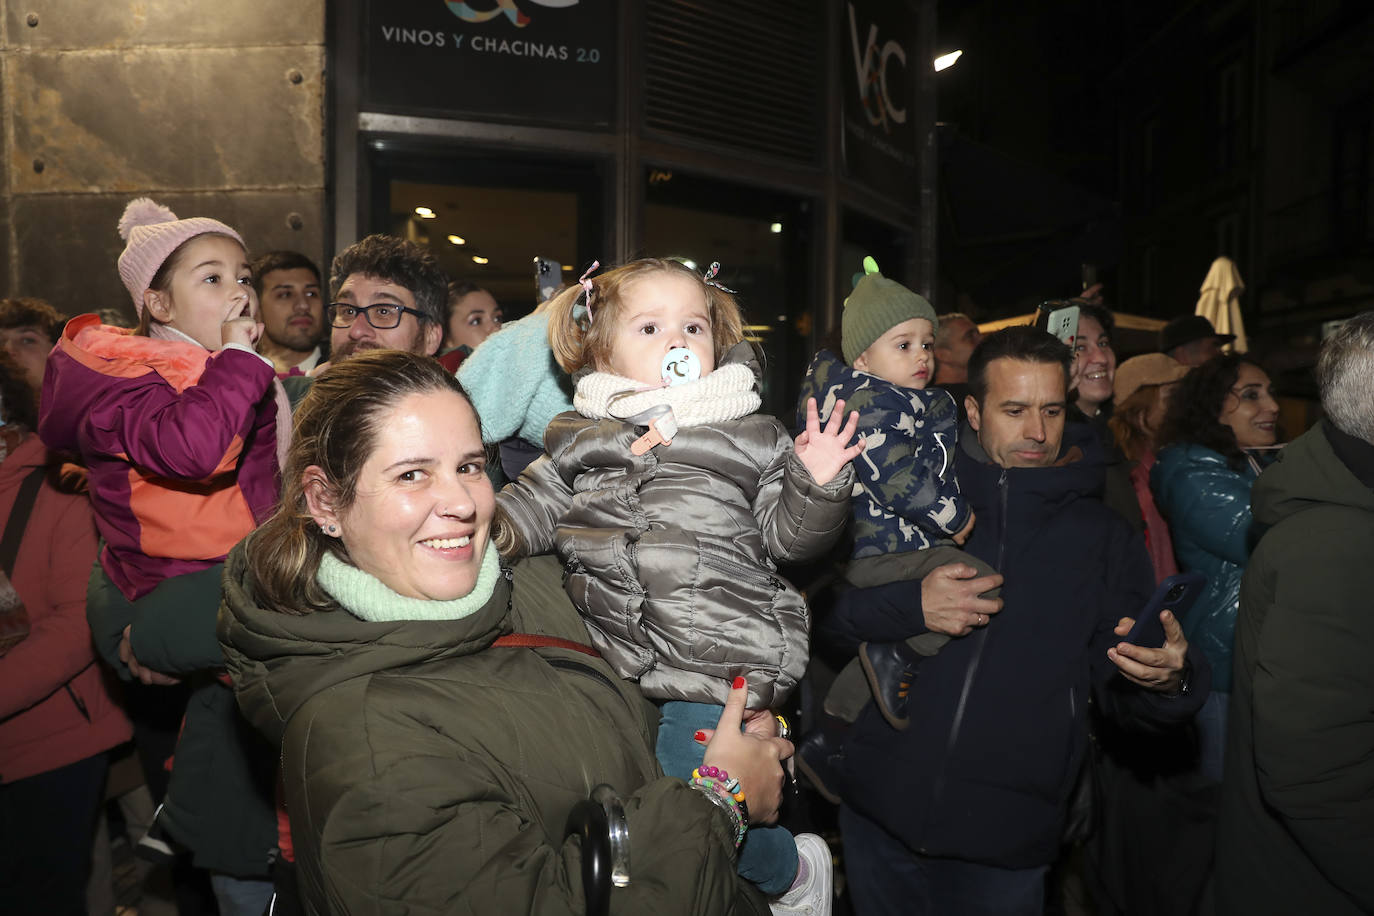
<point x="783" y="138"/>
<point x="1246" y="132"/>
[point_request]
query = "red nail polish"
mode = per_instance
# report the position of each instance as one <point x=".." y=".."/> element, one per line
<point x="739" y="682"/>
<point x="699" y="736"/>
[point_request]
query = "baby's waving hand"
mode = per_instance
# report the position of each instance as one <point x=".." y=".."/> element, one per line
<point x="826" y="451"/>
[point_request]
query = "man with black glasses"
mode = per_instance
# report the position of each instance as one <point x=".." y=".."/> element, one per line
<point x="386" y="293"/>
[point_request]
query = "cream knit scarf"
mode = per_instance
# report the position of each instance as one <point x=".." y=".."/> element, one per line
<point x="366" y="598"/>
<point x="725" y="394"/>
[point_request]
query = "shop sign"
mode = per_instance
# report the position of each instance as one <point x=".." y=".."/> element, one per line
<point x="878" y="77"/>
<point x="521" y="61"/>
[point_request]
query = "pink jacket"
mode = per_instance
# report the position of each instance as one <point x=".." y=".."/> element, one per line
<point x="55" y="705"/>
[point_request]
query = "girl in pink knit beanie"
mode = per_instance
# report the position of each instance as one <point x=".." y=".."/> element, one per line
<point x="180" y="424"/>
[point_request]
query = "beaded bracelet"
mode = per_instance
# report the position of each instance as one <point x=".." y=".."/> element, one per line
<point x="736" y="798"/>
<point x="738" y="811"/>
<point x="730" y="785"/>
<point x="734" y="807"/>
<point x="719" y="802"/>
<point x="735" y="795"/>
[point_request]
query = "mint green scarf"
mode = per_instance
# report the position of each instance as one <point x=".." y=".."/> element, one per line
<point x="366" y="598"/>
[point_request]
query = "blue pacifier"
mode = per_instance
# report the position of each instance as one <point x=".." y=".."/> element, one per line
<point x="680" y="366"/>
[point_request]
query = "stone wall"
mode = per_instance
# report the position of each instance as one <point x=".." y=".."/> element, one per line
<point x="214" y="109"/>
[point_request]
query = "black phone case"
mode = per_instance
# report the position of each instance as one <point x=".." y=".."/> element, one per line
<point x="1148" y="631"/>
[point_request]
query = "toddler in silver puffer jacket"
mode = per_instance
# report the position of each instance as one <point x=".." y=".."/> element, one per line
<point x="669" y="499"/>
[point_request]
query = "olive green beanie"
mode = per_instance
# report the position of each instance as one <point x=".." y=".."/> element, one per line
<point x="875" y="307"/>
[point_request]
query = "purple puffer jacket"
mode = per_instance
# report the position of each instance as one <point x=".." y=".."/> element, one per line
<point x="181" y="445"/>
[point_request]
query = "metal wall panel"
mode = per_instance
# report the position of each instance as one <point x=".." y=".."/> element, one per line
<point x="215" y="111"/>
<point x="178" y="118"/>
<point x="123" y="24"/>
<point x="67" y="245"/>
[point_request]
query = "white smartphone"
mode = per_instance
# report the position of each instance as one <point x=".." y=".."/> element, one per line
<point x="1061" y="322"/>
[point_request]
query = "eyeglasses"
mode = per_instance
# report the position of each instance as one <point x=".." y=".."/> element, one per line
<point x="381" y="317"/>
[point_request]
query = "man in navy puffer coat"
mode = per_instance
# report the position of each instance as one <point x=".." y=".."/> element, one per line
<point x="962" y="812"/>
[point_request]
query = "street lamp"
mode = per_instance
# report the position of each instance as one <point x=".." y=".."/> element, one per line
<point x="945" y="61"/>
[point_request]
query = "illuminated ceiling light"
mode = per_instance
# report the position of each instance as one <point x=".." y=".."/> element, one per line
<point x="567" y="267"/>
<point x="425" y="213"/>
<point x="945" y="61"/>
<point x="775" y="228"/>
<point x="457" y="240"/>
<point x="478" y="259"/>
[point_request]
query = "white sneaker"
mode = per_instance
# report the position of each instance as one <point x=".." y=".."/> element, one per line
<point x="815" y="895"/>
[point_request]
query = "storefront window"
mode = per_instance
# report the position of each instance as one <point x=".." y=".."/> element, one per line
<point x="486" y="220"/>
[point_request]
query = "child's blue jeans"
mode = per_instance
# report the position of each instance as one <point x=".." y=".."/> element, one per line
<point x="768" y="857"/>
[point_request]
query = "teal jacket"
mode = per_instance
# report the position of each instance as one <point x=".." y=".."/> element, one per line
<point x="1207" y="505"/>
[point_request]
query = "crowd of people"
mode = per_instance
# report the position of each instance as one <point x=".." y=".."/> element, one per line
<point x="407" y="610"/>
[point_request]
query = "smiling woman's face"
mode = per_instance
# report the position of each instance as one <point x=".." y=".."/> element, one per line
<point x="421" y="517"/>
<point x="1096" y="364"/>
<point x="1250" y="409"/>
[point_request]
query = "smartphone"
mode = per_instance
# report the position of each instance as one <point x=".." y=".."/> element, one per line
<point x="1175" y="594"/>
<point x="1061" y="322"/>
<point x="548" y="279"/>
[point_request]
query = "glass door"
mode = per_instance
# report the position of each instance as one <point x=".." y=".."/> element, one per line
<point x="488" y="216"/>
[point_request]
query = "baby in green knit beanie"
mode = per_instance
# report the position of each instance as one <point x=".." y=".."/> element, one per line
<point x="888" y="331"/>
<point x="908" y="515"/>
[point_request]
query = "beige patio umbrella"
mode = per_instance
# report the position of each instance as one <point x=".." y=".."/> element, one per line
<point x="1220" y="301"/>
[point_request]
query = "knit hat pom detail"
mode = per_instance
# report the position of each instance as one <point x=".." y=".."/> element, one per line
<point x="877" y="305"/>
<point x="143" y="211"/>
<point x="145" y="252"/>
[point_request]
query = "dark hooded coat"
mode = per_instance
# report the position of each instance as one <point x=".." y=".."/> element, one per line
<point x="999" y="718"/>
<point x="1297" y="802"/>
